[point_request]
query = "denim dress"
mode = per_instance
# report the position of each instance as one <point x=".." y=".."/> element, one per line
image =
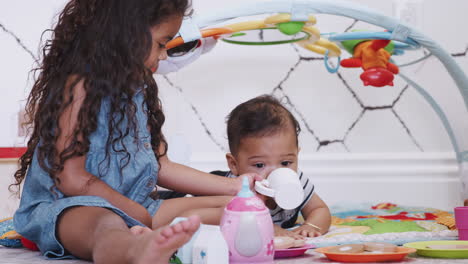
<point x="36" y="218"/>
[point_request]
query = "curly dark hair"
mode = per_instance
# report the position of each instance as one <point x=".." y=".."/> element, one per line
<point x="104" y="43"/>
<point x="260" y="116"/>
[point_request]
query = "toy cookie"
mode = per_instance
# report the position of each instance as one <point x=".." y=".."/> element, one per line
<point x="379" y="247"/>
<point x="299" y="243"/>
<point x="283" y="242"/>
<point x="349" y="248"/>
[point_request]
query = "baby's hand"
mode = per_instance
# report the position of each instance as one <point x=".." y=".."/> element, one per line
<point x="262" y="197"/>
<point x="283" y="232"/>
<point x="307" y="231"/>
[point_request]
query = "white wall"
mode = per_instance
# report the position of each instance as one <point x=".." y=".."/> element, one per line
<point x="402" y="146"/>
<point x="9" y="201"/>
<point x="21" y="25"/>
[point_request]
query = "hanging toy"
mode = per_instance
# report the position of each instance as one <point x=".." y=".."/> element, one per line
<point x="373" y="57"/>
<point x="310" y="38"/>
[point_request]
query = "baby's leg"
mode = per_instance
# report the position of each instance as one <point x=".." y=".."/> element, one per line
<point x="98" y="234"/>
<point x="212" y="208"/>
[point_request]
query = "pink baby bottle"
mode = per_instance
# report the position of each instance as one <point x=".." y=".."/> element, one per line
<point x="248" y="229"/>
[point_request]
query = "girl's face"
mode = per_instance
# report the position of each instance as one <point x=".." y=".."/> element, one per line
<point x="265" y="153"/>
<point x="161" y="34"/>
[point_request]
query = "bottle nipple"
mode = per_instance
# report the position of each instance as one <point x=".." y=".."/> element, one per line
<point x="245" y="191"/>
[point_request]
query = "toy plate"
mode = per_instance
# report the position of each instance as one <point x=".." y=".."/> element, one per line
<point x="366" y="257"/>
<point x="423" y="250"/>
<point x="293" y="252"/>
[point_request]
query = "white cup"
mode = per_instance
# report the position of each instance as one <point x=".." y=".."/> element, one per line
<point x="284" y="186"/>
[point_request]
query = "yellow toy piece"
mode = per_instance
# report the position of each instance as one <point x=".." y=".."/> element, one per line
<point x="270" y="21"/>
<point x="321" y="46"/>
<point x="282" y="18"/>
<point x="314" y="33"/>
<point x="247" y="25"/>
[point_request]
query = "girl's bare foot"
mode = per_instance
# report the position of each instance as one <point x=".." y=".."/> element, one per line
<point x="139" y="230"/>
<point x="158" y="246"/>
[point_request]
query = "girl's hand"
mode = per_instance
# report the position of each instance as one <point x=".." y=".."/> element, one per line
<point x="307" y="231"/>
<point x="251" y="176"/>
<point x="283" y="232"/>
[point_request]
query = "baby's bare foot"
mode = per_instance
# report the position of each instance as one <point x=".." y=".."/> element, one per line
<point x="158" y="246"/>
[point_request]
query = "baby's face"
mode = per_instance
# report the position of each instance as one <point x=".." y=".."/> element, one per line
<point x="266" y="153"/>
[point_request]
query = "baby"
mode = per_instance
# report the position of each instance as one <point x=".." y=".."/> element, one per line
<point x="263" y="136"/>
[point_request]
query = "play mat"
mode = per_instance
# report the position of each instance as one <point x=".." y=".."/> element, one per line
<point x="355" y="223"/>
<point x="387" y="222"/>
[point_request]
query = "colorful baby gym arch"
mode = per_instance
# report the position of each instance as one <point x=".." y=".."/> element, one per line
<point x="295" y="18"/>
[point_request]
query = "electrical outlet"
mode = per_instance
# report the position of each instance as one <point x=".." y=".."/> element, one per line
<point x="409" y="12"/>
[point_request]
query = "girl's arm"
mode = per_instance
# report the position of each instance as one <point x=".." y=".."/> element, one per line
<point x="74" y="180"/>
<point x="317" y="218"/>
<point x="185" y="179"/>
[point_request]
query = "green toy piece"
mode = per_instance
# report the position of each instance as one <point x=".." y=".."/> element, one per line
<point x="236" y="38"/>
<point x="423" y="250"/>
<point x="290" y="28"/>
<point x="174" y="259"/>
<point x="238" y="34"/>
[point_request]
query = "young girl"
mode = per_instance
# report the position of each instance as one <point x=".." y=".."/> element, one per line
<point x="263" y="136"/>
<point x="96" y="150"/>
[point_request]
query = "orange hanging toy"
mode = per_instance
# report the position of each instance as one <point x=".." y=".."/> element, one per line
<point x="371" y="56"/>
